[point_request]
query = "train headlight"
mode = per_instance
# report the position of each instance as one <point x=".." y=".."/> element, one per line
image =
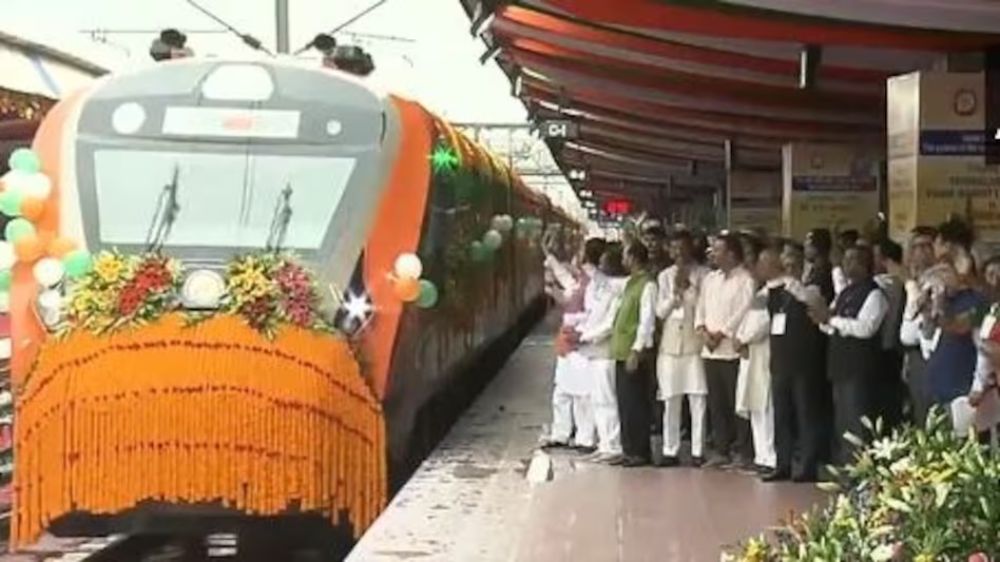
<point x="128" y="118"/>
<point x="203" y="289"/>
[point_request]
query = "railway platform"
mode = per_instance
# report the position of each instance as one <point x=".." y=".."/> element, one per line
<point x="487" y="494"/>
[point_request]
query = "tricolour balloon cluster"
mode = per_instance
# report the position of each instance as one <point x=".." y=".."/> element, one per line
<point x="408" y="285"/>
<point x="25" y="198"/>
<point x="482" y="250"/>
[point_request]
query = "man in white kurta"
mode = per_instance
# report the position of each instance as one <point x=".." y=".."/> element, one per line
<point x="571" y="410"/>
<point x="679" y="368"/>
<point x="594" y="344"/>
<point x="753" y="387"/>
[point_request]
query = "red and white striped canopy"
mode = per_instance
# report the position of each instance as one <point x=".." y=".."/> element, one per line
<point x="659" y="86"/>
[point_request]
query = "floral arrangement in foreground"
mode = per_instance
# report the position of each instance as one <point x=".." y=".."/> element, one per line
<point x="919" y="494"/>
<point x="267" y="290"/>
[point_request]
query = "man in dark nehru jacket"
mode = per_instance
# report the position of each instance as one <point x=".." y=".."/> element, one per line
<point x="854" y="351"/>
<point x="798" y="372"/>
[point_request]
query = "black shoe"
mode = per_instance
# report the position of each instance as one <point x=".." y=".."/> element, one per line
<point x="717" y="462"/>
<point x="775" y="476"/>
<point x="697" y="462"/>
<point x="550" y="444"/>
<point x="585" y="450"/>
<point x="762" y="470"/>
<point x="668" y="461"/>
<point x="632" y="462"/>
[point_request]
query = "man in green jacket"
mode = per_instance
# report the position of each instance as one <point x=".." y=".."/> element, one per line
<point x="632" y="340"/>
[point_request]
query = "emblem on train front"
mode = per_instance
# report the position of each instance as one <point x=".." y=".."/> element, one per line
<point x="965" y="102"/>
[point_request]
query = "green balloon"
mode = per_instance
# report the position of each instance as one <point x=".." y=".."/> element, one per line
<point x="17" y="229"/>
<point x="5" y="280"/>
<point x="478" y="251"/>
<point x="78" y="263"/>
<point x="25" y="160"/>
<point x="10" y="203"/>
<point x="428" y="294"/>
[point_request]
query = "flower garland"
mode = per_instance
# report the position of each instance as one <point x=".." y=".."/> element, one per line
<point x="266" y="290"/>
<point x="124" y="290"/>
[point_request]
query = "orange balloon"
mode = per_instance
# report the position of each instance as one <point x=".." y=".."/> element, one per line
<point x="32" y="208"/>
<point x="29" y="249"/>
<point x="61" y="246"/>
<point x="408" y="290"/>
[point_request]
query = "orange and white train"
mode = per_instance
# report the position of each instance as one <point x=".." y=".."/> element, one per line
<point x="228" y="137"/>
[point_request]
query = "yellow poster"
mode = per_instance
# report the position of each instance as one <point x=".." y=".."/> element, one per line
<point x="951" y="174"/>
<point x="829" y="186"/>
<point x="754" y="201"/>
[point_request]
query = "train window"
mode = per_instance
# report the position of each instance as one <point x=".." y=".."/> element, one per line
<point x="226" y="200"/>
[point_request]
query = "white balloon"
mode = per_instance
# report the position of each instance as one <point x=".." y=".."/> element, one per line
<point x="48" y="272"/>
<point x="409" y="266"/>
<point x="35" y="185"/>
<point x="13" y="178"/>
<point x="7" y="256"/>
<point x="508" y="223"/>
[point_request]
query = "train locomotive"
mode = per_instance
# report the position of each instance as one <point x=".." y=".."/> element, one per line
<point x="251" y="291"/>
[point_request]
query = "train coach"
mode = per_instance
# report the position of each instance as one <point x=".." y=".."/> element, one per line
<point x="247" y="291"/>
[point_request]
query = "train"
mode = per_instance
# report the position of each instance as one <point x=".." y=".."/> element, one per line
<point x="249" y="291"/>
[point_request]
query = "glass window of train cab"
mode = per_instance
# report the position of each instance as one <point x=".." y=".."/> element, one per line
<point x="225" y="199"/>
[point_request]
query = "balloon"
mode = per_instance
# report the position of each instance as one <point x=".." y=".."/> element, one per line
<point x="478" y="251"/>
<point x="492" y="239"/>
<point x="407" y="289"/>
<point x="428" y="294"/>
<point x="5" y="280"/>
<point x="29" y="248"/>
<point x="48" y="272"/>
<point x="7" y="256"/>
<point x="78" y="263"/>
<point x="4" y="302"/>
<point x="24" y="160"/>
<point x="409" y="266"/>
<point x="17" y="229"/>
<point x="35" y="185"/>
<point x="60" y="246"/>
<point x="12" y="178"/>
<point x="506" y="223"/>
<point x="31" y="207"/>
<point x="10" y="203"/>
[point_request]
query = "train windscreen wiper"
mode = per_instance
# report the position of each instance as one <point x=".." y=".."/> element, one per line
<point x="280" y="220"/>
<point x="167" y="209"/>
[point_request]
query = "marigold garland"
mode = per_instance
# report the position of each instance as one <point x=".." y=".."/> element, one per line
<point x="186" y="414"/>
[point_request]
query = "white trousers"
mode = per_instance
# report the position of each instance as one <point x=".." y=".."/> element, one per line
<point x="569" y="411"/>
<point x="672" y="406"/>
<point x="762" y="425"/>
<point x="604" y="400"/>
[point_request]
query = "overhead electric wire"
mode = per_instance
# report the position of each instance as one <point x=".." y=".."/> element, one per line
<point x="248" y="39"/>
<point x="340" y="27"/>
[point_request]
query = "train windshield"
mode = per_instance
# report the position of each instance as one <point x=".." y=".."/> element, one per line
<point x="225" y="199"/>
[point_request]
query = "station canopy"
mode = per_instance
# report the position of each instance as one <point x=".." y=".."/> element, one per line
<point x="657" y="89"/>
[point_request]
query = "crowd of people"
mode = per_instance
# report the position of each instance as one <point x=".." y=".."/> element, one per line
<point x="779" y="347"/>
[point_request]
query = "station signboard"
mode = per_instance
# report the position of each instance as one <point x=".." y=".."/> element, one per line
<point x="831" y="186"/>
<point x="938" y="167"/>
<point x="754" y="200"/>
